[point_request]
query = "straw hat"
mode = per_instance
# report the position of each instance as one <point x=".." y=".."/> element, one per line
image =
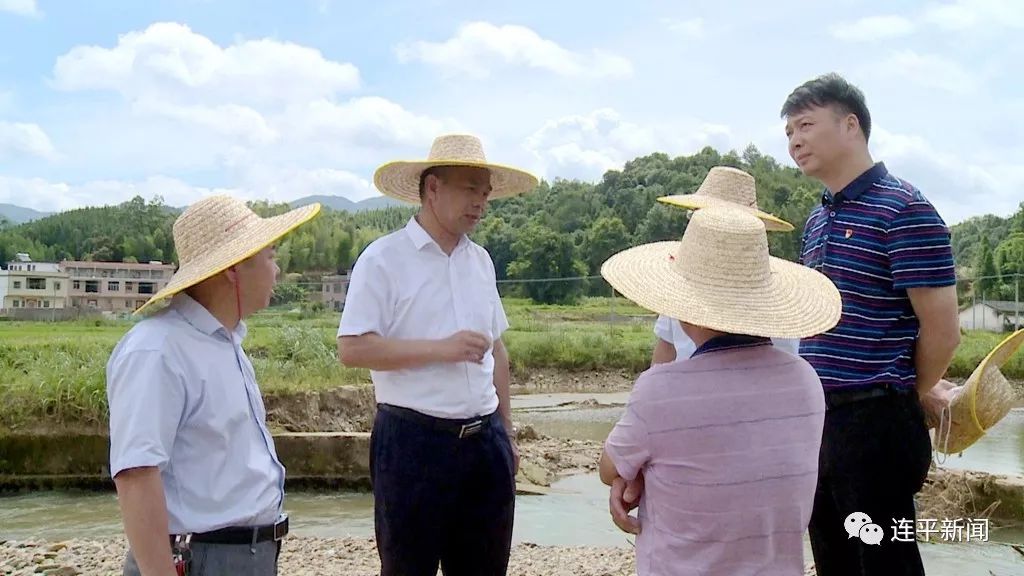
<point x="721" y="276"/>
<point x="218" y="232"/>
<point x="401" y="179"/>
<point x="980" y="402"/>
<point x="727" y="186"/>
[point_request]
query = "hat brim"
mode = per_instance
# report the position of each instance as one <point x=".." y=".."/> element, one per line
<point x="966" y="427"/>
<point x="401" y="179"/>
<point x="245" y="245"/>
<point x="798" y="302"/>
<point x="698" y="201"/>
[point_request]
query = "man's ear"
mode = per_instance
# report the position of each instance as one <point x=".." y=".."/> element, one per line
<point x="231" y="274"/>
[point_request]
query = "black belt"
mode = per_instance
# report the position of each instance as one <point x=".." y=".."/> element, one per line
<point x="239" y="534"/>
<point x="836" y="398"/>
<point x="463" y="428"/>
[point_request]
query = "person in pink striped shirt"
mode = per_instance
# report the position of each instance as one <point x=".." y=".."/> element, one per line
<point x="727" y="440"/>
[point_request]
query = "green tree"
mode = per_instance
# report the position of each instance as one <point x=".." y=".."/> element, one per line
<point x="662" y="223"/>
<point x="986" y="274"/>
<point x="288" y="293"/>
<point x="606" y="236"/>
<point x="542" y="253"/>
<point x="1009" y="257"/>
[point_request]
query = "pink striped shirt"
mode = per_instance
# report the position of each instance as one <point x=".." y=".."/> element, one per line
<point x="728" y="443"/>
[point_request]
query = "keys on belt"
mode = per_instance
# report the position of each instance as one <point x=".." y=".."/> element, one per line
<point x="181" y="554"/>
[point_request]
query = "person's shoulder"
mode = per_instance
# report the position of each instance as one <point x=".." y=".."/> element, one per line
<point x="161" y="335"/>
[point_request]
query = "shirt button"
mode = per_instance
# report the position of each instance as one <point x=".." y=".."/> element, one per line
<point x="832" y="214"/>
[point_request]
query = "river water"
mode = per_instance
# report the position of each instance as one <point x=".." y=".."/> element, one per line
<point x="574" y="513"/>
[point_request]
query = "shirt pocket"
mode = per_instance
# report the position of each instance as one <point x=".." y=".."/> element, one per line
<point x="482" y="315"/>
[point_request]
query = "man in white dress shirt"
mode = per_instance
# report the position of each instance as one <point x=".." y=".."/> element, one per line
<point x="423" y="314"/>
<point x="195" y="467"/>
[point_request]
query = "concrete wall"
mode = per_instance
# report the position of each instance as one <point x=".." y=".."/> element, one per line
<point x="325" y="459"/>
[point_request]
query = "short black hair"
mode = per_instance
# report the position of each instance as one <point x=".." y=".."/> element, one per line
<point x="830" y="90"/>
<point x="438" y="171"/>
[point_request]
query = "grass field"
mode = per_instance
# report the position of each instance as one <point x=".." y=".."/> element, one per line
<point x="55" y="372"/>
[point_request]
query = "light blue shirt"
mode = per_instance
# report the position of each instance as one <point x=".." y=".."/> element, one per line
<point x="183" y="397"/>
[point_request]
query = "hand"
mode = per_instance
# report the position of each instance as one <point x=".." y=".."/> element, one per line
<point x="624" y="497"/>
<point x="515" y="453"/>
<point x="935" y="400"/>
<point x="465" y="346"/>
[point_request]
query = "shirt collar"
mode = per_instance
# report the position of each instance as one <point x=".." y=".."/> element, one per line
<point x="420" y="237"/>
<point x="200" y="318"/>
<point x="730" y="342"/>
<point x="860" y="185"/>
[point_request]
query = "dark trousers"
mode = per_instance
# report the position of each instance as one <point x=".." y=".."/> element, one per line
<point x="874" y="458"/>
<point x="224" y="560"/>
<point x="441" y="499"/>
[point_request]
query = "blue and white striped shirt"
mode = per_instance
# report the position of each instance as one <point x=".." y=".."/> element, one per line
<point x="875" y="239"/>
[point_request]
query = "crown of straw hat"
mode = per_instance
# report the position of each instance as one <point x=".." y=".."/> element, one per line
<point x="720" y="276"/>
<point x="401" y="179"/>
<point x="981" y="401"/>
<point x="217" y="233"/>
<point x="724" y="185"/>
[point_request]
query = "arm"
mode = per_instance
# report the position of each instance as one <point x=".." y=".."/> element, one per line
<point x="502" y="379"/>
<point x="663" y="352"/>
<point x="140" y="494"/>
<point x="607" y="469"/>
<point x="373" y="351"/>
<point x="936" y="310"/>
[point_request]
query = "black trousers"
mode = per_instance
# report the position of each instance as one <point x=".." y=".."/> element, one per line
<point x="441" y="499"/>
<point x="874" y="458"/>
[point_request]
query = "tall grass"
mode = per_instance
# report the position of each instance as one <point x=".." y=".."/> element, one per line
<point x="55" y="373"/>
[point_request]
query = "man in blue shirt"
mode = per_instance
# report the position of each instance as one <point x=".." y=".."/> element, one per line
<point x="888" y="251"/>
<point x="194" y="464"/>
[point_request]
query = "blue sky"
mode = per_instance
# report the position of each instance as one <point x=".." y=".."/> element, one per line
<point x="103" y="100"/>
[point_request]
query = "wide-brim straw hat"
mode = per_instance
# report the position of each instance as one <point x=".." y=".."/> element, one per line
<point x="980" y="402"/>
<point x="720" y="276"/>
<point x="725" y="186"/>
<point x="401" y="179"/>
<point x="217" y="233"/>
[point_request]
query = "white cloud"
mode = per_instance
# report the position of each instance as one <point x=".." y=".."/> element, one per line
<point x="366" y="121"/>
<point x="873" y="28"/>
<point x="231" y="120"/>
<point x="958" y="187"/>
<point x="290" y="183"/>
<point x="929" y="71"/>
<point x="479" y="46"/>
<point x="268" y="113"/>
<point x="168" y="61"/>
<point x="17" y="139"/>
<point x="20" y="7"/>
<point x="983" y="15"/>
<point x="585" y="146"/>
<point x="44" y="195"/>
<point x="691" y="28"/>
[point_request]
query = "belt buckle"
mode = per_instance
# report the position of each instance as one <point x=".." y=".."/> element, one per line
<point x="470" y="428"/>
<point x="281" y="528"/>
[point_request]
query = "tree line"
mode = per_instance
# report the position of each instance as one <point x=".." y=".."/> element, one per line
<point x="565" y="228"/>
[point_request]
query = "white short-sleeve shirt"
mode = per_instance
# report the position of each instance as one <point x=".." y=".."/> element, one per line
<point x="670" y="331"/>
<point x="183" y="398"/>
<point x="404" y="287"/>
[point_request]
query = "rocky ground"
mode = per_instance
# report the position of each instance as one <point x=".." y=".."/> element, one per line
<point x="304" y="557"/>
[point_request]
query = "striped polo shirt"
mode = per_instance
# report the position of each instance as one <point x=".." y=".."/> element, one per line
<point x="874" y="239"/>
